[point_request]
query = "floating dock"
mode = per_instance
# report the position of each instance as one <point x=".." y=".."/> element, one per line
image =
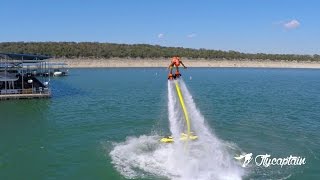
<point x="17" y="80"/>
<point x="24" y="96"/>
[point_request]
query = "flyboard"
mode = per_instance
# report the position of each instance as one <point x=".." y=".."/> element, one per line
<point x="184" y="136"/>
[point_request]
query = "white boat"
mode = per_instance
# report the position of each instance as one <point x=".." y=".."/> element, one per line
<point x="57" y="73"/>
<point x="7" y="81"/>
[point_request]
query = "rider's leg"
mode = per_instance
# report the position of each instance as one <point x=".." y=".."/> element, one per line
<point x="177" y="70"/>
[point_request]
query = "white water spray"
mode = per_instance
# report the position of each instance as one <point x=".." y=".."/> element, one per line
<point x="205" y="158"/>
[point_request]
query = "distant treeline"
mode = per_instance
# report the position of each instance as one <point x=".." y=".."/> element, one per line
<point x="110" y="50"/>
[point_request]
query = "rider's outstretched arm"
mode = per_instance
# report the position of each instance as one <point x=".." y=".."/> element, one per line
<point x="183" y="64"/>
<point x="171" y="65"/>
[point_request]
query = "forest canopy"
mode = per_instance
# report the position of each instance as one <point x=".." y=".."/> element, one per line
<point x="111" y="50"/>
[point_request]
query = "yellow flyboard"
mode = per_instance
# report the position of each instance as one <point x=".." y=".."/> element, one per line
<point x="184" y="109"/>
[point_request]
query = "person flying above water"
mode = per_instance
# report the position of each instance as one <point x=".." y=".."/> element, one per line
<point x="176" y="61"/>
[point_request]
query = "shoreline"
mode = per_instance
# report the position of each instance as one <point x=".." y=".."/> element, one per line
<point x="162" y="62"/>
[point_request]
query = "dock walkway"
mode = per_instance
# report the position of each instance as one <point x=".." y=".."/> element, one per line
<point x="24" y="96"/>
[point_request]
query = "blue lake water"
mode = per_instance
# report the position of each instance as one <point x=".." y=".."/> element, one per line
<point x="94" y="112"/>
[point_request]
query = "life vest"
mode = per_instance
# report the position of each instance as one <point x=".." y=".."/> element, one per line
<point x="176" y="61"/>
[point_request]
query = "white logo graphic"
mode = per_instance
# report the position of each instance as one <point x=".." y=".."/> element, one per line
<point x="247" y="159"/>
<point x="266" y="160"/>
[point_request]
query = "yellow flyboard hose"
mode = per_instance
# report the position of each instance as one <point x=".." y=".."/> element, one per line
<point x="184" y="109"/>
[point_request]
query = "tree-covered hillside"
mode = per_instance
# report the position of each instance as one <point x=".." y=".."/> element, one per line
<point x="109" y="50"/>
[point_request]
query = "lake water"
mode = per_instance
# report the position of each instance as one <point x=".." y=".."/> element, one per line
<point x="106" y="124"/>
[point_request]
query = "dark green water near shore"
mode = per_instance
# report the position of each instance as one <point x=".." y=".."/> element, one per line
<point x="71" y="135"/>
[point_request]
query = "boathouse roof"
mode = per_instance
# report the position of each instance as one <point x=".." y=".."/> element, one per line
<point x="15" y="56"/>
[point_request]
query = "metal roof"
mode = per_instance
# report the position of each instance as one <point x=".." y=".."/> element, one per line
<point x="25" y="56"/>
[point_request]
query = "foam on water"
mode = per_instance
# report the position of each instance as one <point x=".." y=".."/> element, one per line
<point x="206" y="158"/>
